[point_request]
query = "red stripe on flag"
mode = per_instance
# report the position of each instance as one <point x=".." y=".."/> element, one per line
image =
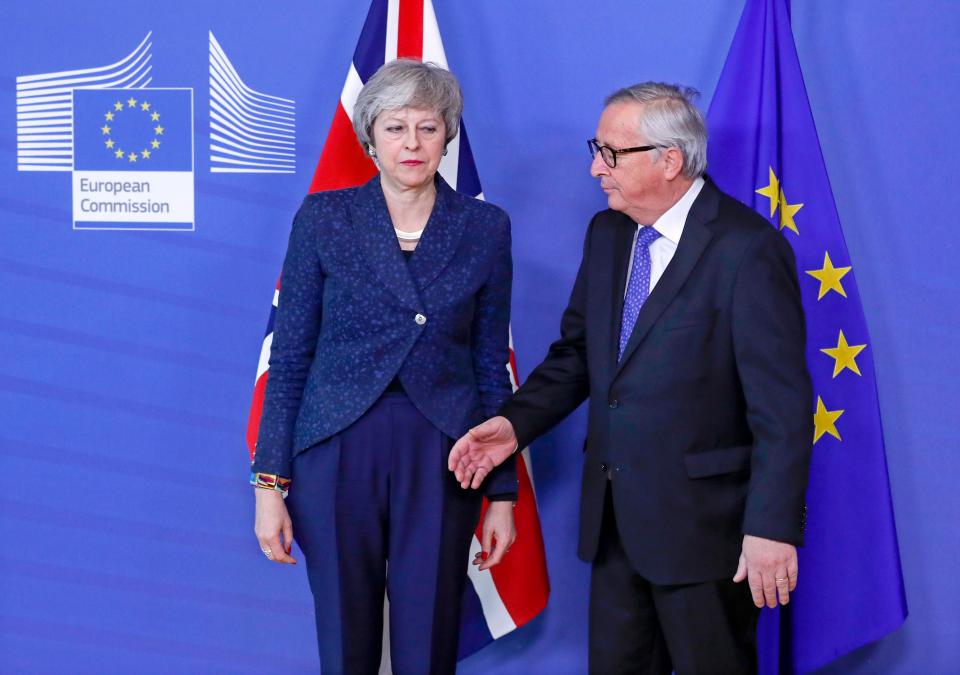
<point x="410" y="30"/>
<point x="343" y="163"/>
<point x="521" y="577"/>
<point x="256" y="410"/>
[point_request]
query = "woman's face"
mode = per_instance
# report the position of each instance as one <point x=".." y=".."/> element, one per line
<point x="409" y="144"/>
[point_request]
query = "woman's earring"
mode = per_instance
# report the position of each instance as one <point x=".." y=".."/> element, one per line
<point x="372" y="151"/>
<point x="444" y="152"/>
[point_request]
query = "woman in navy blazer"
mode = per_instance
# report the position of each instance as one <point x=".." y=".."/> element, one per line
<point x="391" y="339"/>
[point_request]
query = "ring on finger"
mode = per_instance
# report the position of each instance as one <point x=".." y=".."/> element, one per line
<point x="267" y="552"/>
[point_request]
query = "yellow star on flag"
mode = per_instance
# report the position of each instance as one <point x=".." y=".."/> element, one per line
<point x="108" y="142"/>
<point x="787" y="212"/>
<point x="145" y="154"/>
<point x="132" y="157"/>
<point x="109" y="116"/>
<point x="118" y="106"/>
<point x="105" y="129"/>
<point x="154" y="116"/>
<point x="844" y="355"/>
<point x="825" y="421"/>
<point x="158" y="130"/>
<point x="829" y="277"/>
<point x="132" y="102"/>
<point x="144" y="106"/>
<point x="771" y="192"/>
<point x="155" y="144"/>
<point x="119" y="153"/>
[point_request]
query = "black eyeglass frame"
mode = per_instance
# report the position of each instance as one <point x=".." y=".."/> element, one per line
<point x="595" y="147"/>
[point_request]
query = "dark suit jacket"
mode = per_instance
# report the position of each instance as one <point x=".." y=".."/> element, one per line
<point x="353" y="314"/>
<point x="704" y="428"/>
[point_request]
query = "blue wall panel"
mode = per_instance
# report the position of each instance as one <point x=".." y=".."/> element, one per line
<point x="128" y="357"/>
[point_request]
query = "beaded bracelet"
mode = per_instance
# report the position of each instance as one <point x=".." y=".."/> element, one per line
<point x="270" y="481"/>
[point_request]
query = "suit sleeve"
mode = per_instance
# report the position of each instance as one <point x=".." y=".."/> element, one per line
<point x="561" y="382"/>
<point x="295" y="333"/>
<point x="491" y="337"/>
<point x="769" y="339"/>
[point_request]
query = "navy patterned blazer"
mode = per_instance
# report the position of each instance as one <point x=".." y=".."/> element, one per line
<point x="353" y="313"/>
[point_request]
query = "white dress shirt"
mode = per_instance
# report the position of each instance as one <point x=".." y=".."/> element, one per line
<point x="670" y="227"/>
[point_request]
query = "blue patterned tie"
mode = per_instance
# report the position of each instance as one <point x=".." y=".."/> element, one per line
<point x="638" y="287"/>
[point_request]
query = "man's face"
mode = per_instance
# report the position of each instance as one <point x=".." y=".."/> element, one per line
<point x="636" y="185"/>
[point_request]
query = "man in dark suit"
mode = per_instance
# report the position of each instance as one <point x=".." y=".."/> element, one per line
<point x="686" y="332"/>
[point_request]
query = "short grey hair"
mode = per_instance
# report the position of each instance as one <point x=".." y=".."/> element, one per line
<point x="671" y="120"/>
<point x="405" y="83"/>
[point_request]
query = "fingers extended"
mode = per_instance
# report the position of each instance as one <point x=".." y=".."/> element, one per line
<point x="793" y="575"/>
<point x="769" y="590"/>
<point x="783" y="586"/>
<point x="756" y="587"/>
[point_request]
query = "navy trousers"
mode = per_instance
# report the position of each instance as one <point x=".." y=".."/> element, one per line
<point x="640" y="628"/>
<point x="375" y="509"/>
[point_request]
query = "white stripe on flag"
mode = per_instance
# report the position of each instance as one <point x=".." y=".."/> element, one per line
<point x="393" y="30"/>
<point x="351" y="90"/>
<point x="494" y="611"/>
<point x="450" y="164"/>
<point x="432" y="44"/>
<point x="528" y="465"/>
<point x="264" y="356"/>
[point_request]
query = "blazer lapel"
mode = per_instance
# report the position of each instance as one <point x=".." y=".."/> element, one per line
<point x="374" y="231"/>
<point x="440" y="238"/>
<point x="696" y="235"/>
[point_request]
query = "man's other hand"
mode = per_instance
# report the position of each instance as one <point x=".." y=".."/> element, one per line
<point x="770" y="568"/>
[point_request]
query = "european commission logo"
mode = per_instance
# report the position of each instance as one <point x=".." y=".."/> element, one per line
<point x="130" y="147"/>
<point x="133" y="159"/>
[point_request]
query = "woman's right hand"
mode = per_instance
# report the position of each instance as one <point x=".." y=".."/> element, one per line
<point x="272" y="521"/>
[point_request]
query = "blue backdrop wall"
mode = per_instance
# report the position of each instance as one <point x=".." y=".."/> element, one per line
<point x="128" y="357"/>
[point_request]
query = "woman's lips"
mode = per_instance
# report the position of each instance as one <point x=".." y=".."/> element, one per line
<point x="412" y="162"/>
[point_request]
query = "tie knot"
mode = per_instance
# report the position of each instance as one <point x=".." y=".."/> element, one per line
<point x="647" y="235"/>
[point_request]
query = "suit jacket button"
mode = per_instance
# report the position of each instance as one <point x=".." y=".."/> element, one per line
<point x="420" y="319"/>
<point x="603" y="467"/>
<point x="614" y="403"/>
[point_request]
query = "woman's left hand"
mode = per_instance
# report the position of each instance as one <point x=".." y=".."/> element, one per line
<point x="499" y="533"/>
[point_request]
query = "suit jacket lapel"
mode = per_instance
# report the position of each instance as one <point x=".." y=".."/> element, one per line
<point x="440" y="238"/>
<point x="696" y="235"/>
<point x="374" y="232"/>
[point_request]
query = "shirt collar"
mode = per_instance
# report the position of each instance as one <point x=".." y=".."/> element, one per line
<point x="670" y="224"/>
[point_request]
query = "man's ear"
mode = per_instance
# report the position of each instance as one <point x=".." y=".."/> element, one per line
<point x="672" y="163"/>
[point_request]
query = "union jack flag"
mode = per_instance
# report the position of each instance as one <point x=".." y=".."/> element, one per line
<point x="509" y="595"/>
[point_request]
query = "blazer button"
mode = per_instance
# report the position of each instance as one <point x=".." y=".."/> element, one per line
<point x="603" y="467"/>
<point x="420" y="319"/>
<point x="614" y="403"/>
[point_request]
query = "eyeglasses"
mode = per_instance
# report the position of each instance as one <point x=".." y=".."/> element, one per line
<point x="609" y="155"/>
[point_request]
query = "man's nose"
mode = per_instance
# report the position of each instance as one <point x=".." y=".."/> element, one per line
<point x="598" y="167"/>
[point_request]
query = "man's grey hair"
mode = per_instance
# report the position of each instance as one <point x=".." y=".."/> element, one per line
<point x="670" y="120"/>
<point x="405" y="83"/>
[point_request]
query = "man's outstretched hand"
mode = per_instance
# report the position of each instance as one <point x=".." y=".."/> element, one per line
<point x="481" y="449"/>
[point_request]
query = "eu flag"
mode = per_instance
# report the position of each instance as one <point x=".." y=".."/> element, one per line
<point x="133" y="129"/>
<point x="764" y="150"/>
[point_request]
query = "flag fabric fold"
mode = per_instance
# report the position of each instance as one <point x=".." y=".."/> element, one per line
<point x="501" y="599"/>
<point x="764" y="150"/>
